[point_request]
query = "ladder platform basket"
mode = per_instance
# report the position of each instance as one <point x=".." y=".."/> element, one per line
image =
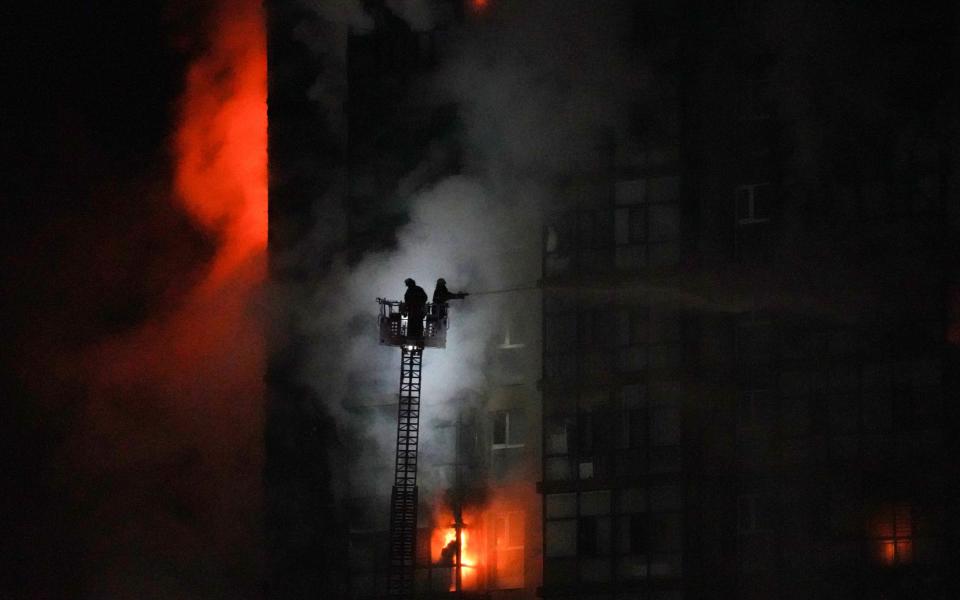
<point x="394" y="325"/>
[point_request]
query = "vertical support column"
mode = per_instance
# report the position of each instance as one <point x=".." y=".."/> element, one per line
<point x="403" y="498"/>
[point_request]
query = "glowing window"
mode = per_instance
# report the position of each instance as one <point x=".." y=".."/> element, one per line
<point x="892" y="532"/>
<point x="508" y="543"/>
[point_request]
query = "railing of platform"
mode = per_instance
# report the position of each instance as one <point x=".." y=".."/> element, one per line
<point x="394" y="325"/>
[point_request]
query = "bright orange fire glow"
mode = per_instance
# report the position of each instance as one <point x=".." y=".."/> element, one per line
<point x="499" y="541"/>
<point x="221" y="178"/>
<point x="221" y="144"/>
<point x="444" y="535"/>
<point x="199" y="366"/>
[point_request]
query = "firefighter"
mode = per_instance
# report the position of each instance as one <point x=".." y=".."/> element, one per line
<point x="440" y="297"/>
<point x="416" y="302"/>
<point x="441" y="294"/>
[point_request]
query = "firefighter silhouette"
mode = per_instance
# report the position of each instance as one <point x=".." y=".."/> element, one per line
<point x="416" y="303"/>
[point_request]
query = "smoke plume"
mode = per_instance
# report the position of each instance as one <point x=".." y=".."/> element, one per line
<point x="151" y="479"/>
<point x="539" y="88"/>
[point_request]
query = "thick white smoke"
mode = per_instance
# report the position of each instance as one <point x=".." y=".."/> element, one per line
<point x="540" y="86"/>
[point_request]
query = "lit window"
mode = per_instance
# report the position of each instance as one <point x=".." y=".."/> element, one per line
<point x="753" y="203"/>
<point x="508" y="544"/>
<point x="892" y="532"/>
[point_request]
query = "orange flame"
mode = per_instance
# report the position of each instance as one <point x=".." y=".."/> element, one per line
<point x="498" y="541"/>
<point x="202" y="364"/>
<point x="221" y="145"/>
<point x="445" y="533"/>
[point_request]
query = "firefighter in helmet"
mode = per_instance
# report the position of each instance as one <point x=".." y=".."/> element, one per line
<point x="415" y="300"/>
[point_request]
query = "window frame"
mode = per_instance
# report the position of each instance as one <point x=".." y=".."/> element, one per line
<point x="751" y="218"/>
<point x="508" y="439"/>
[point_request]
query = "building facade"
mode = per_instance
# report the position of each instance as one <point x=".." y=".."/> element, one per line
<point x="748" y="362"/>
<point x="735" y="380"/>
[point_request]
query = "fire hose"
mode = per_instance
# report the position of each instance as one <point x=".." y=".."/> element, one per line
<point x="536" y="286"/>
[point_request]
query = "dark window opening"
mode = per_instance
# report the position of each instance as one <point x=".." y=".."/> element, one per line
<point x="587" y="537"/>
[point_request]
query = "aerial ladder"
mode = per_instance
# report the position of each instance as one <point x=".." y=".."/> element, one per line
<point x="393" y="326"/>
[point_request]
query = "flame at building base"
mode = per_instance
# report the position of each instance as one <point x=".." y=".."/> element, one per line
<point x="494" y="539"/>
<point x="443" y="548"/>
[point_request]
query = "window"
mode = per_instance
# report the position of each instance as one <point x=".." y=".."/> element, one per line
<point x="754" y="513"/>
<point x="758" y="101"/>
<point x="593" y="536"/>
<point x="561" y="505"/>
<point x="631" y="328"/>
<point x="630" y="225"/>
<point x="508" y="429"/>
<point x="664" y="425"/>
<point x="665" y="346"/>
<point x="558" y="239"/>
<point x="755" y="341"/>
<point x="585" y="469"/>
<point x="557" y="438"/>
<point x="593" y="229"/>
<point x="665" y="532"/>
<point x="753" y="203"/>
<point x="587" y="536"/>
<point x="754" y="409"/>
<point x="560" y="538"/>
<point x="892" y="533"/>
<point x="596" y="328"/>
<point x="646" y="435"/>
<point x="649" y="532"/>
<point x="646" y="222"/>
<point x="585" y="434"/>
<point x="630" y="191"/>
<point x="638" y="534"/>
<point x="635" y="426"/>
<point x="510" y="339"/>
<point x="509" y="537"/>
<point x="560" y="333"/>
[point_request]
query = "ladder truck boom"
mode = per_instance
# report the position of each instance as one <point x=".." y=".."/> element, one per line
<point x="393" y="326"/>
